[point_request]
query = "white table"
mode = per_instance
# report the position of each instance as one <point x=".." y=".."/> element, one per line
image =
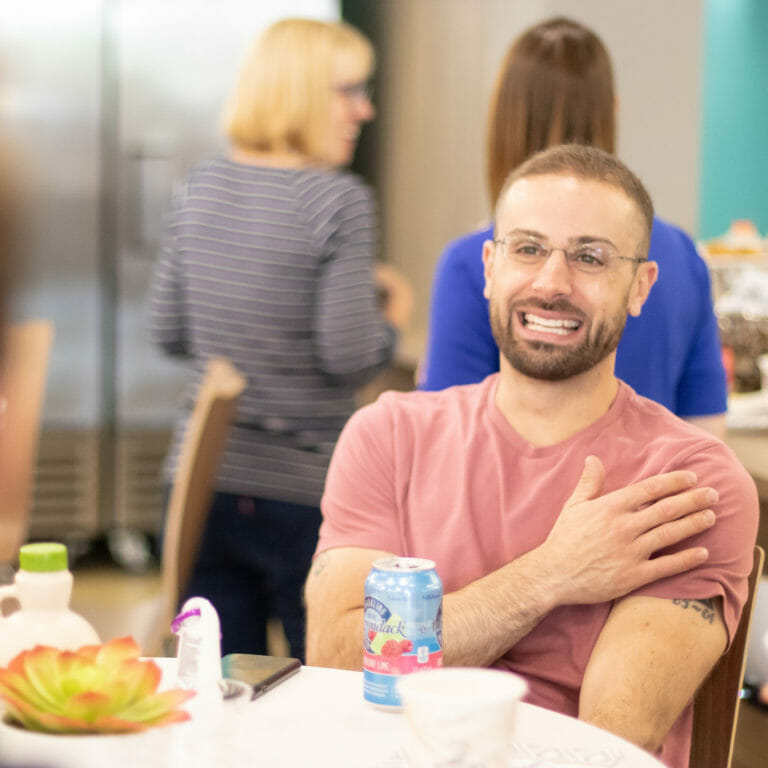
<point x="319" y="718"/>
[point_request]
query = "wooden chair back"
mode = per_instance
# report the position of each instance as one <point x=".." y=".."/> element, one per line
<point x="716" y="703"/>
<point x="23" y="375"/>
<point x="201" y="450"/>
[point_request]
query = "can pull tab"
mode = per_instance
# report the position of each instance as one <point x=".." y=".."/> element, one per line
<point x="199" y="650"/>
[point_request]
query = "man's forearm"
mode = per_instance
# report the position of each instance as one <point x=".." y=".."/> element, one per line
<point x="341" y="646"/>
<point x="482" y="621"/>
<point x="334" y="599"/>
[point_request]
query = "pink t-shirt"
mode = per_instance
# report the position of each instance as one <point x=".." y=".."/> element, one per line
<point x="442" y="475"/>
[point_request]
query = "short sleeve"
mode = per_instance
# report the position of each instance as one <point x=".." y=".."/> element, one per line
<point x="730" y="541"/>
<point x="359" y="505"/>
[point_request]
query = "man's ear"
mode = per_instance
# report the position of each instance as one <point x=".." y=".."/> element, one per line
<point x="489" y="249"/>
<point x="645" y="277"/>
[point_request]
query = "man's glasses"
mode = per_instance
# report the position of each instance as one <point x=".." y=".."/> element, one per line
<point x="362" y="91"/>
<point x="587" y="257"/>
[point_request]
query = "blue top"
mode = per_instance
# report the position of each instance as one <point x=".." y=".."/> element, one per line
<point x="671" y="353"/>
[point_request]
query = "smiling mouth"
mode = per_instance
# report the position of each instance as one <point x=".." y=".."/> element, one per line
<point x="548" y="324"/>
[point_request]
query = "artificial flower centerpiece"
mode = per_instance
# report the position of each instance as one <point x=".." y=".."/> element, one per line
<point x="96" y="689"/>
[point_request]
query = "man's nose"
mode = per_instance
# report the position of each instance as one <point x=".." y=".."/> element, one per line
<point x="554" y="276"/>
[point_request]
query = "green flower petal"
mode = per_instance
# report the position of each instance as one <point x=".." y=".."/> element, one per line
<point x="88" y="705"/>
<point x="116" y="651"/>
<point x="133" y="681"/>
<point x="112" y="724"/>
<point x="39" y="720"/>
<point x="41" y="667"/>
<point x="16" y="686"/>
<point x="153" y="707"/>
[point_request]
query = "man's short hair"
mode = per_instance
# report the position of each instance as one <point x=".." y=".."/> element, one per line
<point x="591" y="164"/>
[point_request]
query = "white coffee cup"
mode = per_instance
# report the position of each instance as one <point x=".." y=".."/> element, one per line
<point x="460" y="716"/>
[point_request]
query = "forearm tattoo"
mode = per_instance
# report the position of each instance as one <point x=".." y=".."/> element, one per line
<point x="706" y="607"/>
<point x="320" y="564"/>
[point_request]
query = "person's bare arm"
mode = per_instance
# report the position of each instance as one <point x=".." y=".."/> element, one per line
<point x="599" y="549"/>
<point x="714" y="424"/>
<point x="334" y="598"/>
<point x="648" y="661"/>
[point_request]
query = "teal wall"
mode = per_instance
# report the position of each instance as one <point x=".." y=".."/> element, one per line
<point x="734" y="140"/>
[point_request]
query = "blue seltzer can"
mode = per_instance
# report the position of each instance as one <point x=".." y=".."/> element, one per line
<point x="403" y="617"/>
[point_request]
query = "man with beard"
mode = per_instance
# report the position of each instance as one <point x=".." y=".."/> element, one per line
<point x="587" y="538"/>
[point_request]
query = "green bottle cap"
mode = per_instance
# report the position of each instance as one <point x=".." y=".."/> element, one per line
<point x="43" y="556"/>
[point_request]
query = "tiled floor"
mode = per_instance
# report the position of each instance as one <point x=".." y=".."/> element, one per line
<point x="115" y="602"/>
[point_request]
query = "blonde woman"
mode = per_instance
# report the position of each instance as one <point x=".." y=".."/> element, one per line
<point x="268" y="260"/>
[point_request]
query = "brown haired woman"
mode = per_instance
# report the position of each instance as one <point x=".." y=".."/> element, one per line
<point x="556" y="86"/>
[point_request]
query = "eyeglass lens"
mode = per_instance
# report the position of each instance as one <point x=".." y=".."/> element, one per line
<point x="586" y="257"/>
<point x="360" y="91"/>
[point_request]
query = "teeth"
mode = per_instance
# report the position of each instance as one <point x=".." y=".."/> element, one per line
<point x="549" y="325"/>
<point x="547" y="329"/>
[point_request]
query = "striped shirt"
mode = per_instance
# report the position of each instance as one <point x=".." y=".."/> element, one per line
<point x="272" y="268"/>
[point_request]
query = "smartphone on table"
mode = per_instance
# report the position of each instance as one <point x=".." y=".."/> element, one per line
<point x="260" y="672"/>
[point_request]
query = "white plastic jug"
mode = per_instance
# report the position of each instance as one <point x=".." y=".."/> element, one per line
<point x="43" y="587"/>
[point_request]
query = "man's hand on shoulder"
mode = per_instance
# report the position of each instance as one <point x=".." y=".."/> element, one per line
<point x="600" y="547"/>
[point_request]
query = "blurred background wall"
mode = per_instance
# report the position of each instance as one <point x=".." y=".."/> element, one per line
<point x="734" y="153"/>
